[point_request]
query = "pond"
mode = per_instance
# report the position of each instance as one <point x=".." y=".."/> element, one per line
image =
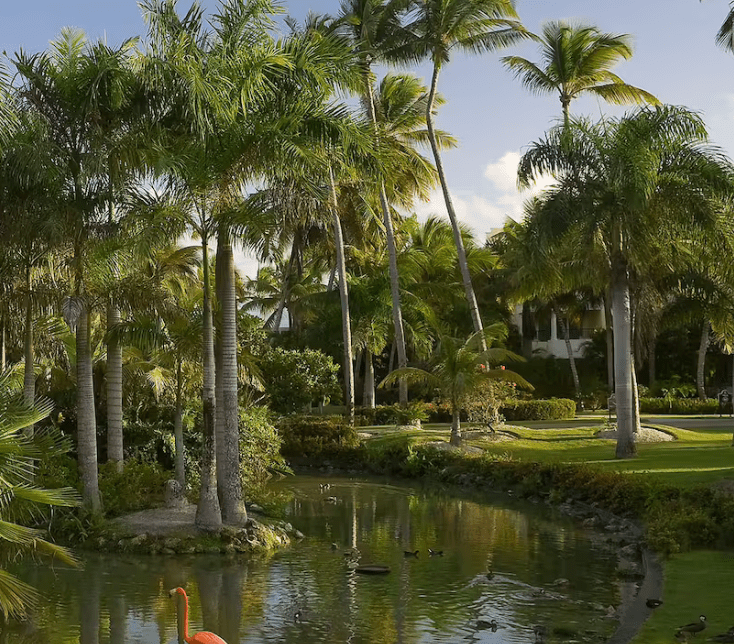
<point x="311" y="592"/>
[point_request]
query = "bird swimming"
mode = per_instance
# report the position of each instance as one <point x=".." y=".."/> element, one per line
<point x="204" y="637"/>
<point x="435" y="553"/>
<point x="653" y="603"/>
<point x="491" y="624"/>
<point x="409" y="553"/>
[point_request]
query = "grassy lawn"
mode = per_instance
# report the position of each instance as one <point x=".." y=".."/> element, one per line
<point x="698" y="457"/>
<point x="696" y="583"/>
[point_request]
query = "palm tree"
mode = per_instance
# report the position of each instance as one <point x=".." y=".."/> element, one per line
<point x="460" y="366"/>
<point x="725" y="35"/>
<point x="59" y="86"/>
<point x="632" y="191"/>
<point x="439" y="28"/>
<point x="576" y="59"/>
<point x="19" y="498"/>
<point x="372" y="27"/>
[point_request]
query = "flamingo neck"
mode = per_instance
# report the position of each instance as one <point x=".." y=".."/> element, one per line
<point x="183" y="626"/>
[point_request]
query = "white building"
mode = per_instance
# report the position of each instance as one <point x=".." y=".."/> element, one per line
<point x="542" y="334"/>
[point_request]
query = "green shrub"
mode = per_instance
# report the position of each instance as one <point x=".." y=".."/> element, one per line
<point x="553" y="409"/>
<point x="139" y="486"/>
<point x="678" y="406"/>
<point x="260" y="446"/>
<point x="316" y="435"/>
<point x="394" y="414"/>
<point x="294" y="379"/>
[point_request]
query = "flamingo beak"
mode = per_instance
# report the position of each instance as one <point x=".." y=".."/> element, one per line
<point x="172" y="592"/>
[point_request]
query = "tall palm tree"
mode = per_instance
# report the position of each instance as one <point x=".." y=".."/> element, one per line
<point x="439" y="28"/>
<point x="632" y="190"/>
<point x="372" y="26"/>
<point x="59" y="86"/>
<point x="577" y="59"/>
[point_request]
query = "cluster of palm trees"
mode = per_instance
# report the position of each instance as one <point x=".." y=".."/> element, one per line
<point x="108" y="155"/>
<point x="216" y="127"/>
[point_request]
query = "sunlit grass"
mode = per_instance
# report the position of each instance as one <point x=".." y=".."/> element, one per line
<point x="697" y="457"/>
<point x="696" y="583"/>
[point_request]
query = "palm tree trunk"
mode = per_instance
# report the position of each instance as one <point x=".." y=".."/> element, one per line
<point x="622" y="361"/>
<point x="208" y="514"/>
<point x="115" y="452"/>
<point x="610" y="340"/>
<point x="635" y="394"/>
<point x="344" y="297"/>
<point x="651" y="375"/>
<point x="229" y="483"/>
<point x="397" y="312"/>
<point x="86" y="421"/>
<point x="461" y="252"/>
<point x="701" y="364"/>
<point x="368" y="397"/>
<point x="178" y="427"/>
<point x="569" y="351"/>
<point x="29" y="375"/>
<point x="455" y="424"/>
<point x="2" y="344"/>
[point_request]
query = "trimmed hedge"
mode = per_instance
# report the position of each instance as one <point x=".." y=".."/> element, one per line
<point x="394" y="414"/>
<point x="553" y="409"/>
<point x="315" y="435"/>
<point x="679" y="406"/>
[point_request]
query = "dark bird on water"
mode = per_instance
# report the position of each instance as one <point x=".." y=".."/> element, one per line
<point x="334" y="546"/>
<point x="489" y="575"/>
<point x="435" y="553"/>
<point x="408" y="553"/>
<point x="693" y="627"/>
<point x="653" y="603"/>
<point x="490" y="624"/>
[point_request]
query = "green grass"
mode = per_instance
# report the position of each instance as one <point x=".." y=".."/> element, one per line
<point x="696" y="583"/>
<point x="698" y="457"/>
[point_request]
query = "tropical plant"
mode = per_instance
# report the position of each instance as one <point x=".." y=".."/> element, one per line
<point x="460" y="366"/>
<point x="577" y="59"/>
<point x="438" y="28"/>
<point x="636" y="192"/>
<point x="374" y="27"/>
<point x="60" y="86"/>
<point x="19" y="498"/>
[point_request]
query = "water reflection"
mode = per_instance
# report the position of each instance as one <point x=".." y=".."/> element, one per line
<point x="311" y="593"/>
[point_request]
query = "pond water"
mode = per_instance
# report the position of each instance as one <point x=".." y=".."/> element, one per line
<point x="310" y="592"/>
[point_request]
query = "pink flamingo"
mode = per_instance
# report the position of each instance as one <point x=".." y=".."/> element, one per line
<point x="205" y="637"/>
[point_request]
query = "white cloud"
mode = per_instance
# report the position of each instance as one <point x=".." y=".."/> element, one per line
<point x="487" y="211"/>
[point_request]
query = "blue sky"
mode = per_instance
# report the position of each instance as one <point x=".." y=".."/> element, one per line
<point x="492" y="116"/>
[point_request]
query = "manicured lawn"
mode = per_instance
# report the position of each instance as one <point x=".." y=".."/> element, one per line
<point x="698" y="457"/>
<point x="696" y="583"/>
